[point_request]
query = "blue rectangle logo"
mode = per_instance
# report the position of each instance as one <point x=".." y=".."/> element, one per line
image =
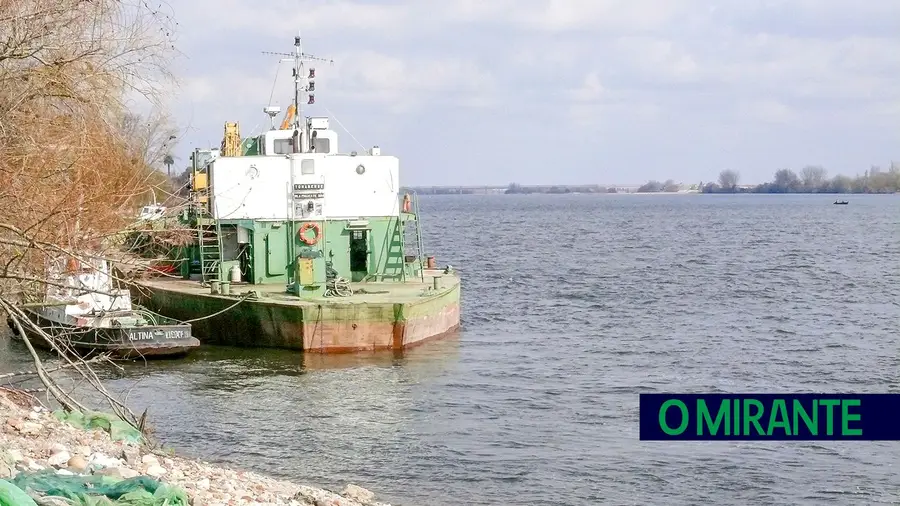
<point x="778" y="417"/>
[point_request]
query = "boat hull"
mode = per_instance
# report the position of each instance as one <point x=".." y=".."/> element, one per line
<point x="405" y="316"/>
<point x="148" y="341"/>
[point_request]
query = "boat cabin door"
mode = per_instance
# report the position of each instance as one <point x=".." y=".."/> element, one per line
<point x="359" y="254"/>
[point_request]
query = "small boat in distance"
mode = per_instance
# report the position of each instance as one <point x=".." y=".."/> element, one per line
<point x="840" y="202"/>
<point x="84" y="311"/>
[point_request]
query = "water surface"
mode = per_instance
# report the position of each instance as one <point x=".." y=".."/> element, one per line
<point x="572" y="305"/>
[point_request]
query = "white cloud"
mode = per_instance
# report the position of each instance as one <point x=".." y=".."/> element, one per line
<point x="389" y="80"/>
<point x="767" y="111"/>
<point x="657" y="67"/>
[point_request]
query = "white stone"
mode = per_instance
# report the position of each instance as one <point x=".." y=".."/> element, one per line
<point x="117" y="472"/>
<point x="65" y="472"/>
<point x="59" y="459"/>
<point x="358" y="494"/>
<point x="155" y="470"/>
<point x="128" y="473"/>
<point x="150" y="459"/>
<point x="15" y="455"/>
<point x="102" y="460"/>
<point x="203" y="484"/>
<point x="31" y="428"/>
<point x="56" y="448"/>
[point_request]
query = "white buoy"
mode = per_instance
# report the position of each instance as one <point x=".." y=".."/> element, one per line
<point x="235" y="274"/>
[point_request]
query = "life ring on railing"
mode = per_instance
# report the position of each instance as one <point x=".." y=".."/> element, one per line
<point x="302" y="233"/>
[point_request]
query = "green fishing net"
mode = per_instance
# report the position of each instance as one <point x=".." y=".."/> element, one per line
<point x="118" y="430"/>
<point x="91" y="490"/>
<point x="11" y="495"/>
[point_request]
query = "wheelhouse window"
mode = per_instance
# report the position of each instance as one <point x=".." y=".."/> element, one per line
<point x="322" y="145"/>
<point x="283" y="146"/>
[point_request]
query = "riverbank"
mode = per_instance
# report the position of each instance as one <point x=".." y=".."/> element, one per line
<point x="33" y="440"/>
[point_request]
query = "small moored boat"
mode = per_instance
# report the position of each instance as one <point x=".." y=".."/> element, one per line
<point x="840" y="202"/>
<point x="84" y="311"/>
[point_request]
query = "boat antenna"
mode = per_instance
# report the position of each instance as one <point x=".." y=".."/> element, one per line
<point x="304" y="84"/>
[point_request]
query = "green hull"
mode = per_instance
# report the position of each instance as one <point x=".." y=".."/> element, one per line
<point x="385" y="316"/>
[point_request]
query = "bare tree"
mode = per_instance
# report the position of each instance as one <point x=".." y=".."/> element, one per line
<point x="728" y="179"/>
<point x="813" y="176"/>
<point x="71" y="174"/>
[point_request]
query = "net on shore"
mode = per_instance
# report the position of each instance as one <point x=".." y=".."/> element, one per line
<point x="89" y="490"/>
<point x="118" y="430"/>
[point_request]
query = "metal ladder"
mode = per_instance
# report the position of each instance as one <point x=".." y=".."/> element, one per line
<point x="209" y="242"/>
<point x="420" y="247"/>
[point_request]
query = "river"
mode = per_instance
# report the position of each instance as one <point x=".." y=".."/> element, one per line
<point x="572" y="306"/>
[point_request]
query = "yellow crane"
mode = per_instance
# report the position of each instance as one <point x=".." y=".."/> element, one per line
<point x="231" y="143"/>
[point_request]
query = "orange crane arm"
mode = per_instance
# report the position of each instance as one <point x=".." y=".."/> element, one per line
<point x="288" y="117"/>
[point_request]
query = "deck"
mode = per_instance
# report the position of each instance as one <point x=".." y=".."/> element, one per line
<point x="409" y="292"/>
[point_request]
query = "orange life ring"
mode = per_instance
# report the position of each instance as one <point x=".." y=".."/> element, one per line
<point x="302" y="233"/>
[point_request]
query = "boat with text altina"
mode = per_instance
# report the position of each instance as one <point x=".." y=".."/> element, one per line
<point x="83" y="311"/>
<point x="302" y="246"/>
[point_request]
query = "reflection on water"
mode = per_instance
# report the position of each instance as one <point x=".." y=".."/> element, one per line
<point x="262" y="408"/>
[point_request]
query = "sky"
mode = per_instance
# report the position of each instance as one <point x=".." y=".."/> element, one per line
<point x="491" y="92"/>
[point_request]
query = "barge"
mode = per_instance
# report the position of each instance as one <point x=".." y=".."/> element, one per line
<point x="302" y="246"/>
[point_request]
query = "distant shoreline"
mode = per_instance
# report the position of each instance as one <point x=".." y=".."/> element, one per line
<point x="449" y="190"/>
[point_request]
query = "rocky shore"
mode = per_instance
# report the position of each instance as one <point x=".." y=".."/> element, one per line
<point x="33" y="440"/>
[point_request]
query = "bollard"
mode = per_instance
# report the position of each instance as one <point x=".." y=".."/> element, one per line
<point x="437" y="282"/>
<point x="214" y="287"/>
<point x="226" y="287"/>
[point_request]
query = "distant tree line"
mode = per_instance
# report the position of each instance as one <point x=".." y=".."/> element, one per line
<point x="655" y="186"/>
<point x="812" y="179"/>
<point x="515" y="188"/>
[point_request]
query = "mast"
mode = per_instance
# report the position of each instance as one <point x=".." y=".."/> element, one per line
<point x="304" y="86"/>
<point x="298" y="69"/>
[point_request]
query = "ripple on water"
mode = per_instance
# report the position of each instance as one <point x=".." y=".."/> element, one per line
<point x="536" y="400"/>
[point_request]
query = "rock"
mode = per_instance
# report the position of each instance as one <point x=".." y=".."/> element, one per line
<point x="117" y="472"/>
<point x="127" y="473"/>
<point x="59" y="459"/>
<point x="155" y="470"/>
<point x="34" y="416"/>
<point x="65" y="472"/>
<point x="77" y="463"/>
<point x="131" y="455"/>
<point x="15" y="423"/>
<point x="149" y="459"/>
<point x="57" y="448"/>
<point x="203" y="484"/>
<point x="100" y="460"/>
<point x="15" y="455"/>
<point x="84" y="451"/>
<point x="358" y="494"/>
<point x="31" y="428"/>
<point x="34" y="466"/>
